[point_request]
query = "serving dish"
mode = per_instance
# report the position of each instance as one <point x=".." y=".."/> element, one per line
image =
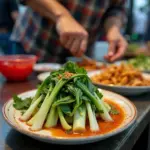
<point x="11" y="116"/>
<point x="124" y="90"/>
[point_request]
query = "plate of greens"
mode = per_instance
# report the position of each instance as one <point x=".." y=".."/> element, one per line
<point x="141" y="62"/>
<point x="68" y="109"/>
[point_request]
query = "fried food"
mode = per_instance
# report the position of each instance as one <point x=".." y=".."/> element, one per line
<point x="91" y="65"/>
<point x="122" y="75"/>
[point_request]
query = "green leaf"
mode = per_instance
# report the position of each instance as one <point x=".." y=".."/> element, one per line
<point x="40" y="88"/>
<point x="57" y="72"/>
<point x="66" y="100"/>
<point x="86" y="99"/>
<point x="21" y="104"/>
<point x="65" y="109"/>
<point x="90" y="86"/>
<point x="77" y="93"/>
<point x="80" y="70"/>
<point x="44" y="90"/>
<point x="113" y="110"/>
<point x="74" y="68"/>
<point x="100" y="95"/>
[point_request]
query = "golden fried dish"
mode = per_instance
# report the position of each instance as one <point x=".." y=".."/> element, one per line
<point x="90" y="65"/>
<point x="122" y="75"/>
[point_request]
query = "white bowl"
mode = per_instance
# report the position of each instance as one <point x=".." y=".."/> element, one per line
<point x="124" y="90"/>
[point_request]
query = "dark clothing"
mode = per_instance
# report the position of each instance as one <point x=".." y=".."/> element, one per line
<point x="6" y="8"/>
<point x="147" y="33"/>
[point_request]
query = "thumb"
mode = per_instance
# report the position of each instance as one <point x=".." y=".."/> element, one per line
<point x="111" y="48"/>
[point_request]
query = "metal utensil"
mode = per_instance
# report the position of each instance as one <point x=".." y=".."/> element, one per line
<point x="87" y="58"/>
<point x="90" y="60"/>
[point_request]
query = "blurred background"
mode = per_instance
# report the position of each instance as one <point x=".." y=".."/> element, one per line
<point x="136" y="31"/>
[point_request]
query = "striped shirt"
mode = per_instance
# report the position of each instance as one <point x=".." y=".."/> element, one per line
<point x="39" y="37"/>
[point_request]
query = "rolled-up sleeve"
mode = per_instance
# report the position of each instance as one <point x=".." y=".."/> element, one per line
<point x="13" y="5"/>
<point x="116" y="8"/>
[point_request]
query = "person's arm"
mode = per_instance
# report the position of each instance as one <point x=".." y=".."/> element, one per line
<point x="72" y="35"/>
<point x="50" y="9"/>
<point x="13" y="6"/>
<point x="113" y="21"/>
<point x="115" y="15"/>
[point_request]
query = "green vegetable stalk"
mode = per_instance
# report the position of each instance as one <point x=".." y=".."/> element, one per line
<point x="39" y="90"/>
<point x="63" y="122"/>
<point x="52" y="118"/>
<point x="95" y="99"/>
<point x="92" y="118"/>
<point x="43" y="111"/>
<point x="30" y="122"/>
<point x="105" y="115"/>
<point x="31" y="109"/>
<point x="79" y="120"/>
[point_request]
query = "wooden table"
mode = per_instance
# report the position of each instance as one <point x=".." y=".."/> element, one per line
<point x="13" y="140"/>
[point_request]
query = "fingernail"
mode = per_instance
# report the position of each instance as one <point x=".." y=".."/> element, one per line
<point x="110" y="53"/>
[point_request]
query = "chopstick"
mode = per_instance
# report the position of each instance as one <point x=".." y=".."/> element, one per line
<point x="87" y="58"/>
<point x="90" y="60"/>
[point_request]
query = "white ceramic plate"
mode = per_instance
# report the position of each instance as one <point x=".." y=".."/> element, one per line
<point x="124" y="90"/>
<point x="43" y="76"/>
<point x="43" y="67"/>
<point x="12" y="118"/>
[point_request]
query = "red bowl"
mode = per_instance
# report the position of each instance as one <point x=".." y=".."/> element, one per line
<point x="17" y="67"/>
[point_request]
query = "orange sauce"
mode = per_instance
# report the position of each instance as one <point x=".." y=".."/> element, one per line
<point x="105" y="127"/>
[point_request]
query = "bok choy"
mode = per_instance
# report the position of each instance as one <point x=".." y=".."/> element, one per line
<point x="66" y="97"/>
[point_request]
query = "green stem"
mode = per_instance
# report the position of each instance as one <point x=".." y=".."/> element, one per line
<point x="89" y="94"/>
<point x="63" y="122"/>
<point x="64" y="100"/>
<point x="52" y="118"/>
<point x="38" y="92"/>
<point x="92" y="118"/>
<point x="31" y="109"/>
<point x="97" y="101"/>
<point x="42" y="113"/>
<point x="46" y="105"/>
<point x="79" y="120"/>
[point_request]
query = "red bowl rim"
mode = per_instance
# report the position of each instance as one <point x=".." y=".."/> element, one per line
<point x="18" y="58"/>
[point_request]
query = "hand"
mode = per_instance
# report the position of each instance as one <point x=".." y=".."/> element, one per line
<point x="117" y="44"/>
<point x="72" y="35"/>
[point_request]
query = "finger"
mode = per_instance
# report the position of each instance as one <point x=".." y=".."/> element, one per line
<point x="119" y="53"/>
<point x="64" y="39"/>
<point x="83" y="47"/>
<point x="75" y="47"/>
<point x="69" y="43"/>
<point x="111" y="50"/>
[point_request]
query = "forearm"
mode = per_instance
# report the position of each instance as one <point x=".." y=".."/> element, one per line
<point x="113" y="21"/>
<point x="51" y="9"/>
<point x="115" y="15"/>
